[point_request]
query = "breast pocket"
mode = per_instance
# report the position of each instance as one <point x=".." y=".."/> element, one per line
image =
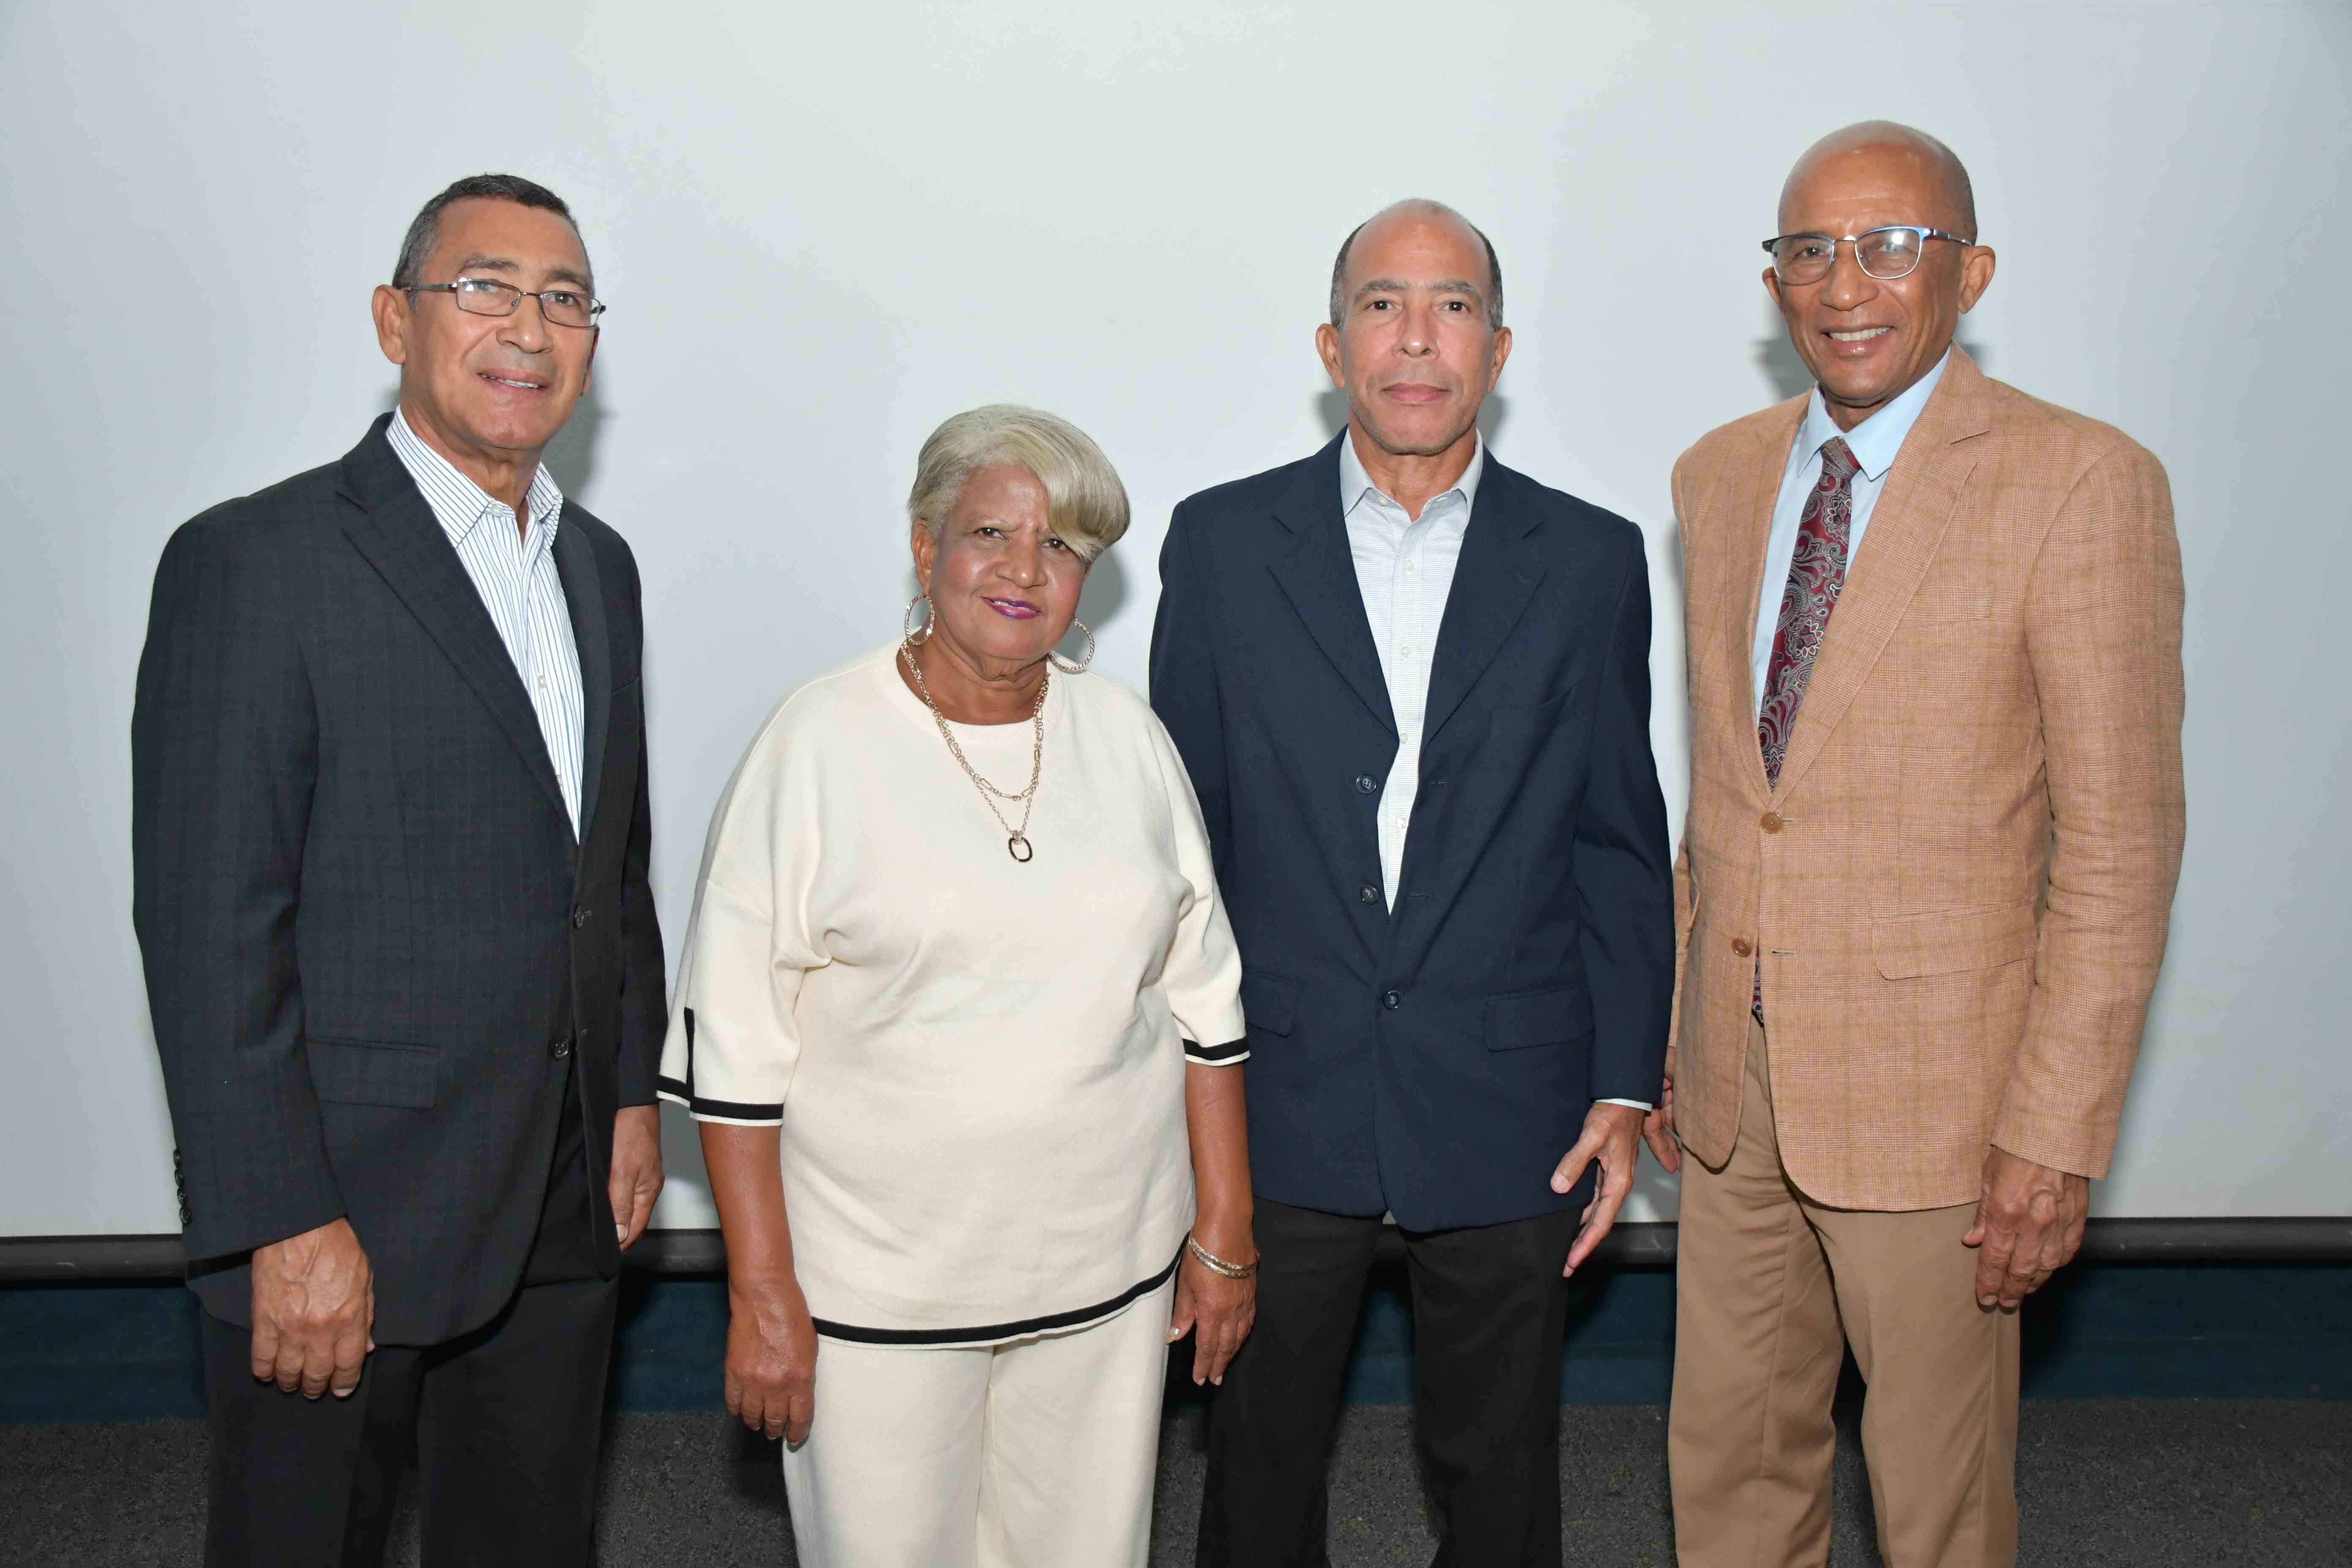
<point x="1533" y="720"/>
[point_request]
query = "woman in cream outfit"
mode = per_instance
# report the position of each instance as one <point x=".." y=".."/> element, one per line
<point x="958" y="937"/>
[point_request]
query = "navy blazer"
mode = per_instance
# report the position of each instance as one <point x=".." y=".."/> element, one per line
<point x="375" y="952"/>
<point x="1437" y="1061"/>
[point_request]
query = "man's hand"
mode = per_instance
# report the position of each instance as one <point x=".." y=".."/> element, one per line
<point x="1658" y="1127"/>
<point x="2029" y="1226"/>
<point x="313" y="1307"/>
<point x="1611" y="1135"/>
<point x="771" y="1362"/>
<point x="636" y="1178"/>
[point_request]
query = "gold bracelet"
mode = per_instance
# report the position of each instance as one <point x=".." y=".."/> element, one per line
<point x="1216" y="1265"/>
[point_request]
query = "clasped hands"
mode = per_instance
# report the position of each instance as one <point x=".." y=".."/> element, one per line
<point x="314" y="1294"/>
<point x="2029" y="1221"/>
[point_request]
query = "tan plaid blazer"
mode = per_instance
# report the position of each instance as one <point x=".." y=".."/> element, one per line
<point x="1960" y="888"/>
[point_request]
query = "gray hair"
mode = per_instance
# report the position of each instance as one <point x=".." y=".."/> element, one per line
<point x="425" y="230"/>
<point x="1420" y="206"/>
<point x="1084" y="498"/>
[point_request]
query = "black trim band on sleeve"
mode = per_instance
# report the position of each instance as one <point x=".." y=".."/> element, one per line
<point x="1231" y="1050"/>
<point x="731" y="1109"/>
<point x="990" y="1332"/>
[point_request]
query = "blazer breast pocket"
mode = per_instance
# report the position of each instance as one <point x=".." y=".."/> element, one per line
<point x="374" y="1072"/>
<point x="1530" y="718"/>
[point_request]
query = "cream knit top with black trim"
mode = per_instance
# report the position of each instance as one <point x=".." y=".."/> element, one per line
<point x="978" y="1064"/>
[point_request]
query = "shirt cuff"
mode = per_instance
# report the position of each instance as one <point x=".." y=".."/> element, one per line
<point x="1230" y="1053"/>
<point x="1637" y="1104"/>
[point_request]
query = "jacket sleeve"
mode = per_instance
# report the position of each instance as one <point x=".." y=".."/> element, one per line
<point x="1625" y="879"/>
<point x="1185" y="681"/>
<point x="1685" y="890"/>
<point x="645" y="1002"/>
<point x="2103" y="634"/>
<point x="223" y="749"/>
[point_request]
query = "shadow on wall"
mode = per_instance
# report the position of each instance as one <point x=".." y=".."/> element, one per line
<point x="1331" y="409"/>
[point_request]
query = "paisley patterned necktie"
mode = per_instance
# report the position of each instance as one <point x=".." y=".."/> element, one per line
<point x="1816" y="575"/>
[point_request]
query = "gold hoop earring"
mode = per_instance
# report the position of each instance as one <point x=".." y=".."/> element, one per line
<point x="931" y="619"/>
<point x="1069" y="669"/>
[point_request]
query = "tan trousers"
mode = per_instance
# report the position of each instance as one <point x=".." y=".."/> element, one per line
<point x="1770" y="1287"/>
<point x="1037" y="1454"/>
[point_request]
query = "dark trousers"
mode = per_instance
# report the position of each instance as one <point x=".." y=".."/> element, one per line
<point x="503" y="1424"/>
<point x="1489" y="1307"/>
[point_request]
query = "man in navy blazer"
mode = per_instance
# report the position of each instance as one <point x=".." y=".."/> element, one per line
<point x="1411" y="688"/>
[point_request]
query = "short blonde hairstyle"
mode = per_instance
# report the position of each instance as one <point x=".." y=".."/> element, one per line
<point x="1084" y="498"/>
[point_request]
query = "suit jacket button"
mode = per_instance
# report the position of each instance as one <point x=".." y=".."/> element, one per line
<point x="1392" y="1000"/>
<point x="1366" y="784"/>
<point x="559" y="1049"/>
<point x="1773" y="822"/>
<point x="1739" y="945"/>
<point x="580" y="917"/>
<point x="1368" y="894"/>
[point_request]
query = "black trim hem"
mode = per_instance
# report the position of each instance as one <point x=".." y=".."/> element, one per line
<point x="1231" y="1051"/>
<point x="732" y="1110"/>
<point x="990" y="1332"/>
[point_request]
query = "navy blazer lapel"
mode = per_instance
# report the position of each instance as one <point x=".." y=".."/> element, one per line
<point x="583" y="591"/>
<point x="1492" y="581"/>
<point x="1319" y="573"/>
<point x="402" y="538"/>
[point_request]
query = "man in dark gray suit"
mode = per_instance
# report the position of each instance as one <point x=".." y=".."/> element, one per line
<point x="390" y="835"/>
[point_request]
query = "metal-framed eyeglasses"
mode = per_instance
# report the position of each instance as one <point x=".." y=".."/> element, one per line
<point x="1885" y="254"/>
<point x="491" y="297"/>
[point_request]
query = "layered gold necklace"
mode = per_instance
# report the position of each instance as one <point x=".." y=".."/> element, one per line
<point x="1017" y="839"/>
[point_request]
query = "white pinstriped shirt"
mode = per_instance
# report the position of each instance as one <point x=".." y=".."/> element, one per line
<point x="514" y="572"/>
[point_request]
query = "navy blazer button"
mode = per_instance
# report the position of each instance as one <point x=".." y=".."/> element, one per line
<point x="580" y="917"/>
<point x="1392" y="1000"/>
<point x="559" y="1049"/>
<point x="1367" y="785"/>
<point x="1368" y="894"/>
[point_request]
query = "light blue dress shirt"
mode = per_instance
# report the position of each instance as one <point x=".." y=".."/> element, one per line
<point x="1404" y="569"/>
<point x="1873" y="442"/>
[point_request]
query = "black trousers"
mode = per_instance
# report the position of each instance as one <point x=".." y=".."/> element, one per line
<point x="1489" y="1307"/>
<point x="504" y="1425"/>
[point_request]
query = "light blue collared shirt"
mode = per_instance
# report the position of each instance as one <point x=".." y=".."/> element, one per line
<point x="1873" y="442"/>
<point x="1404" y="569"/>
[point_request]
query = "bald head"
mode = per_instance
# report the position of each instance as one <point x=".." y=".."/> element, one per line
<point x="1900" y="153"/>
<point x="1418" y="210"/>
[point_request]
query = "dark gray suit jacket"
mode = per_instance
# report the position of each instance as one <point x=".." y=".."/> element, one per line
<point x="373" y="950"/>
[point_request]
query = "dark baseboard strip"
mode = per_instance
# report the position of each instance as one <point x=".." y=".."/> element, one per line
<point x="128" y="1259"/>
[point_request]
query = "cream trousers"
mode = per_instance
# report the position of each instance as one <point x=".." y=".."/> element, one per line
<point x="1037" y="1454"/>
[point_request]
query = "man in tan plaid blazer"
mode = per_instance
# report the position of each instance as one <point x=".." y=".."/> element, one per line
<point x="1936" y="818"/>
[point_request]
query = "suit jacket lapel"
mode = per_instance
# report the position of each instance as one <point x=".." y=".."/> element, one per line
<point x="399" y="535"/>
<point x="1907" y="527"/>
<point x="583" y="591"/>
<point x="1492" y="581"/>
<point x="1317" y="572"/>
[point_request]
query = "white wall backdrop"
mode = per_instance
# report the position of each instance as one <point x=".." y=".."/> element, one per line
<point x="822" y="229"/>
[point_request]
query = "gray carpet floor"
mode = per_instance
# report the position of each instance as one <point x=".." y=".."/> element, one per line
<point x="2143" y="1483"/>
